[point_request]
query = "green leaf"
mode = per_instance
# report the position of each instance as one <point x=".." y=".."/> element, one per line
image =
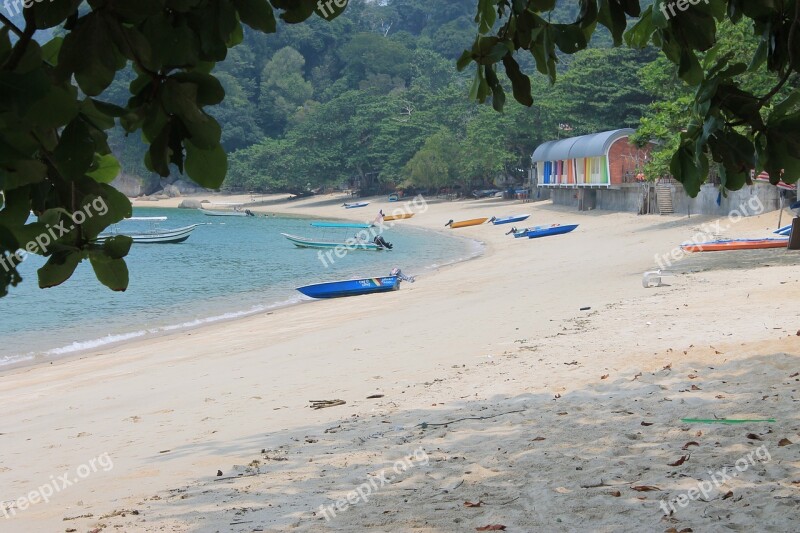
<point x="105" y="168"/>
<point x="520" y="83"/>
<point x="206" y="167"/>
<point x="117" y="247"/>
<point x="113" y="273"/>
<point x="75" y="151"/>
<point x="257" y="14"/>
<point x="51" y="13"/>
<point x="59" y="268"/>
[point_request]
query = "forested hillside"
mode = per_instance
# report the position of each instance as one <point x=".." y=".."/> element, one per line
<point x="373" y="99"/>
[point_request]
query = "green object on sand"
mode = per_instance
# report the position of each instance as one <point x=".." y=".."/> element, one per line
<point x="722" y="420"/>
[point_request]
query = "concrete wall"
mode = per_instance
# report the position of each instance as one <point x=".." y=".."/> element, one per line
<point x="748" y="201"/>
<point x="626" y="199"/>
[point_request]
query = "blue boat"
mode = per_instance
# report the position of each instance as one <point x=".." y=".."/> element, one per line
<point x="356" y="205"/>
<point x="351" y="287"/>
<point x="354" y="225"/>
<point x="509" y="220"/>
<point x="546" y="231"/>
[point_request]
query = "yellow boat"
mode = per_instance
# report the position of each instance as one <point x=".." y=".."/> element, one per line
<point x="403" y="216"/>
<point x="466" y="223"/>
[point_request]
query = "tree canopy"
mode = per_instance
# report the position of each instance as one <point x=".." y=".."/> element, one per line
<point x="288" y="94"/>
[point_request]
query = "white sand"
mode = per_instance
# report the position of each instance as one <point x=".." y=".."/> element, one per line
<point x="480" y="339"/>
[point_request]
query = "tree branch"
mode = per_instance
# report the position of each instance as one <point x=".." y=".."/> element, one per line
<point x="10" y="25"/>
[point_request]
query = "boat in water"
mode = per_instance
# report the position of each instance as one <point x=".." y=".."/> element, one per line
<point x="350" y="244"/>
<point x="152" y="236"/>
<point x="547" y="231"/>
<point x="356" y="287"/>
<point x="738" y="244"/>
<point x="466" y="223"/>
<point x="237" y="211"/>
<point x="350" y="225"/>
<point x="356" y="205"/>
<point x="510" y="219"/>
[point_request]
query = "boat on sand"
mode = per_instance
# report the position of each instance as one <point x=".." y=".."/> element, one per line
<point x="467" y="223"/>
<point x="351" y="287"/>
<point x="740" y="244"/>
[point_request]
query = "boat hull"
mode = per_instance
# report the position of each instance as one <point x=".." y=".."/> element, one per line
<point x="509" y="220"/>
<point x="356" y="206"/>
<point x="744" y="244"/>
<point x="302" y="242"/>
<point x="210" y="213"/>
<point x="350" y="225"/>
<point x="403" y="216"/>
<point x="468" y="223"/>
<point x="173" y="236"/>
<point x="551" y="230"/>
<point x="351" y="287"/>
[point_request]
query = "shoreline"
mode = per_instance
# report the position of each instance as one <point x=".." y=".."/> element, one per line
<point x="481" y="338"/>
<point x="478" y="250"/>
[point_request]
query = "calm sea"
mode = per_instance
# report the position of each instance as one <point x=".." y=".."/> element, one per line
<point x="231" y="268"/>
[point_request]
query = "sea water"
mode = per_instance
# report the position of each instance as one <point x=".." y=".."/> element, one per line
<point x="230" y="268"/>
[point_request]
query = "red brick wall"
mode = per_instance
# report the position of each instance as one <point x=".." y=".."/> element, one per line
<point x="624" y="157"/>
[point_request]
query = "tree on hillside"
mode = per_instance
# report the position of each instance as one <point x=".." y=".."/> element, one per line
<point x="284" y="89"/>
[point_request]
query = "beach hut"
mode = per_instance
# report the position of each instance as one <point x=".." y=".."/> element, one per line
<point x="599" y="160"/>
<point x="601" y="170"/>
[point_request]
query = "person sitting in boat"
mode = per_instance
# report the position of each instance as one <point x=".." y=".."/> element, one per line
<point x="380" y="241"/>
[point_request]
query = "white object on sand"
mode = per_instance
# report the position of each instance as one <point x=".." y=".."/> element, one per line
<point x="654" y="276"/>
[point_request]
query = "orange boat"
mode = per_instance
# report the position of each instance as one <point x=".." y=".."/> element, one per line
<point x="742" y="244"/>
<point x="466" y="223"/>
<point x="402" y="216"/>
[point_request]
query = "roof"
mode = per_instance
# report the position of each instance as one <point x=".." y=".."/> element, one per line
<point x="593" y="145"/>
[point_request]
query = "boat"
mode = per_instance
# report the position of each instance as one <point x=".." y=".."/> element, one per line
<point x="349" y="244"/>
<point x="466" y="223"/>
<point x="351" y="225"/>
<point x="351" y="287"/>
<point x="402" y="216"/>
<point x="237" y="211"/>
<point x="394" y="197"/>
<point x="356" y="205"/>
<point x="738" y="244"/>
<point x="547" y="231"/>
<point x="153" y="235"/>
<point x="510" y="219"/>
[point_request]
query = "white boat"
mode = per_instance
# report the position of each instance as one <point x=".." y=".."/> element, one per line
<point x="237" y="211"/>
<point x="152" y="236"/>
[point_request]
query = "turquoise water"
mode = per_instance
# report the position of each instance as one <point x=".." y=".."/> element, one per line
<point x="233" y="267"/>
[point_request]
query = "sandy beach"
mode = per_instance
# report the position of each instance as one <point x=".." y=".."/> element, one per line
<point x="540" y="383"/>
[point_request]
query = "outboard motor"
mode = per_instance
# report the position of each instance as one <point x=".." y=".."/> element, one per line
<point x="380" y="241"/>
<point x="402" y="277"/>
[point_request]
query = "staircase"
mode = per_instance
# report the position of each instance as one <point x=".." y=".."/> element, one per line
<point x="664" y="195"/>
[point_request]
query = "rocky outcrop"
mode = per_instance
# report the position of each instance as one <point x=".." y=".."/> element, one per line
<point x="190" y="203"/>
<point x="134" y="186"/>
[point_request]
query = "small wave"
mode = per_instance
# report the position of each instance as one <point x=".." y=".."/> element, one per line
<point x="80" y="346"/>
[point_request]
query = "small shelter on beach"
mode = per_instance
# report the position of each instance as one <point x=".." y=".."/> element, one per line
<point x="598" y="171"/>
<point x="600" y="160"/>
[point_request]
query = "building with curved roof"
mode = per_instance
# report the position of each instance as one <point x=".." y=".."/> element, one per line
<point x="605" y="159"/>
